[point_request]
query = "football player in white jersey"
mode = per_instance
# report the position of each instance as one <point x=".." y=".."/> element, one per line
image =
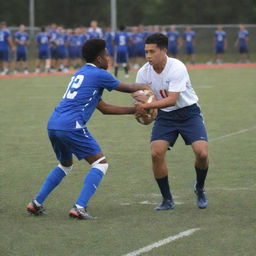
<point x="178" y="113"/>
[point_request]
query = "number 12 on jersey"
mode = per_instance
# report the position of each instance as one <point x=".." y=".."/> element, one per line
<point x="73" y="86"/>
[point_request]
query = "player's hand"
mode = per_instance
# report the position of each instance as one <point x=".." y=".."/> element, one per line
<point x="140" y="111"/>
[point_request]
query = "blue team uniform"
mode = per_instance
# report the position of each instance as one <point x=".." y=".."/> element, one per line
<point x="67" y="125"/>
<point x="22" y="49"/>
<point x="137" y="48"/>
<point x="219" y="36"/>
<point x="4" y="46"/>
<point x="61" y="49"/>
<point x="188" y="36"/>
<point x="109" y="37"/>
<point x="43" y="46"/>
<point x="242" y="43"/>
<point x="53" y="34"/>
<point x="121" y="40"/>
<point x="173" y="37"/>
<point x="73" y="50"/>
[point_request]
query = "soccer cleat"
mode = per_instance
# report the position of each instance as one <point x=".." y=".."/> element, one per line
<point x="32" y="208"/>
<point x="167" y="204"/>
<point x="80" y="213"/>
<point x="201" y="198"/>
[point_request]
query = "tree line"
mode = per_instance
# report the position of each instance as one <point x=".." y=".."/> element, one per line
<point x="71" y="13"/>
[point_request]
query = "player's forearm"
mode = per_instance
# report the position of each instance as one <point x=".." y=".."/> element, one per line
<point x="164" y="103"/>
<point x="131" y="87"/>
<point x="117" y="110"/>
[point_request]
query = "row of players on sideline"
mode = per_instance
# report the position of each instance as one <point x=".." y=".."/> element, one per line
<point x="59" y="48"/>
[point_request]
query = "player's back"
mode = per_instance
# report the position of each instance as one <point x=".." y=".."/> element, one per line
<point x="81" y="98"/>
<point x="4" y="35"/>
<point x="121" y="40"/>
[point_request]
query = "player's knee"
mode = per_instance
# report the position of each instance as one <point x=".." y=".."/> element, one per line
<point x="156" y="154"/>
<point x="202" y="156"/>
<point x="65" y="169"/>
<point x="101" y="165"/>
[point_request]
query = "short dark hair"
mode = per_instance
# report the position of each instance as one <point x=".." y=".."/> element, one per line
<point x="92" y="48"/>
<point x="122" y="27"/>
<point x="159" y="39"/>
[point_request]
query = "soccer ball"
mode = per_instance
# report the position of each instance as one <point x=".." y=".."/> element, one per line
<point x="145" y="96"/>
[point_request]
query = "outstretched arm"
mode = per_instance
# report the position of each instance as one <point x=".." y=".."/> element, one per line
<point x="131" y="87"/>
<point x="108" y="109"/>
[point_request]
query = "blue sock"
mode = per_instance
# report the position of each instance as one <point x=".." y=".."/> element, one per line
<point x="52" y="180"/>
<point x="91" y="183"/>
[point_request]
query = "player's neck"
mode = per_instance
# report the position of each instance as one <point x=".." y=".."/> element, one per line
<point x="160" y="66"/>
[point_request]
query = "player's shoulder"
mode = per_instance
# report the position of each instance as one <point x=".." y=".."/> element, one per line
<point x="172" y="62"/>
<point x="145" y="68"/>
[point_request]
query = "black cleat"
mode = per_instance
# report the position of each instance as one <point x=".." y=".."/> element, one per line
<point x="81" y="214"/>
<point x="201" y="198"/>
<point x="32" y="208"/>
<point x="167" y="204"/>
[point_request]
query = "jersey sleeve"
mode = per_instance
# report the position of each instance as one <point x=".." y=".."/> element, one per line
<point x="140" y="78"/>
<point x="107" y="81"/>
<point x="179" y="80"/>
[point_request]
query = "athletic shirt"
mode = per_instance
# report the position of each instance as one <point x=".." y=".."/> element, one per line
<point x="81" y="98"/>
<point x="173" y="78"/>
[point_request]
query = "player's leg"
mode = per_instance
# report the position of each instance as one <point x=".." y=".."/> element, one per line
<point x="160" y="170"/>
<point x="92" y="181"/>
<point x="54" y="178"/>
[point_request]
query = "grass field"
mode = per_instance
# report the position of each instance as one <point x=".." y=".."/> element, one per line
<point x="125" y="200"/>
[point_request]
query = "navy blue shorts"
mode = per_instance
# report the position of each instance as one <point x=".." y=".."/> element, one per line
<point x="121" y="57"/>
<point x="79" y="142"/>
<point x="4" y="55"/>
<point x="21" y="56"/>
<point x="187" y="121"/>
<point x="243" y="49"/>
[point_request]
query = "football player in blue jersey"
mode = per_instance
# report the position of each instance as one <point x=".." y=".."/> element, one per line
<point x="121" y="41"/>
<point x="61" y="49"/>
<point x="242" y="43"/>
<point x="189" y="42"/>
<point x="67" y="126"/>
<point x="219" y="43"/>
<point x="53" y="33"/>
<point x="44" y="55"/>
<point x="173" y="41"/>
<point x="5" y="42"/>
<point x="22" y="41"/>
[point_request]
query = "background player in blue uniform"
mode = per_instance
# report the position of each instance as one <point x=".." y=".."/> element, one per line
<point x="173" y="41"/>
<point x="242" y="43"/>
<point x="67" y="126"/>
<point x="189" y="42"/>
<point x="121" y="58"/>
<point x="219" y="43"/>
<point x="5" y="43"/>
<point x="22" y="41"/>
<point x="43" y="43"/>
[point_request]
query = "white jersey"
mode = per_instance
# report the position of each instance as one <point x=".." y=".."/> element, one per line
<point x="173" y="78"/>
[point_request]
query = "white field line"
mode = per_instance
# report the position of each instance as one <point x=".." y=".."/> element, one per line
<point x="233" y="133"/>
<point x="163" y="242"/>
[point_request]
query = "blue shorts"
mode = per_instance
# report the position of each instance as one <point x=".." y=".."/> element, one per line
<point x="54" y="54"/>
<point x="243" y="49"/>
<point x="121" y="57"/>
<point x="173" y="49"/>
<point x="190" y="49"/>
<point x="219" y="49"/>
<point x="4" y="55"/>
<point x="79" y="142"/>
<point x="44" y="54"/>
<point x="187" y="121"/>
<point x="21" y="56"/>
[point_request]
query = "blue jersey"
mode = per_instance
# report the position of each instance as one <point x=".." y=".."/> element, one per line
<point x="43" y="41"/>
<point x="22" y="38"/>
<point x="173" y="37"/>
<point x="242" y="36"/>
<point x="188" y="36"/>
<point x="81" y="98"/>
<point x="122" y="40"/>
<point x="4" y="35"/>
<point x="220" y="36"/>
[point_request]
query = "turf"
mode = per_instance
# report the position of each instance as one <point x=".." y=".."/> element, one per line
<point x="125" y="223"/>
